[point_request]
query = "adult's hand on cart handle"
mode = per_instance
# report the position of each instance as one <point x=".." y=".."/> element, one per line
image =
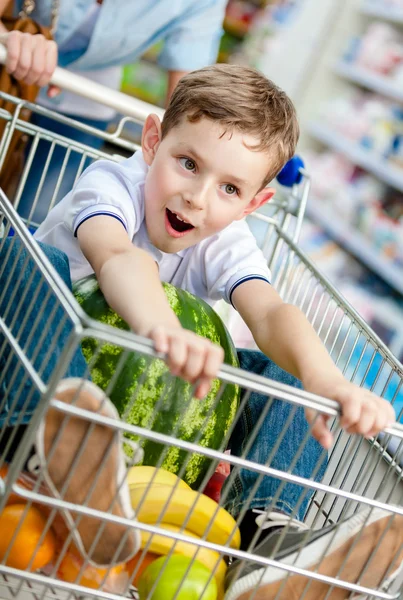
<point x="362" y="411"/>
<point x="31" y="58"/>
<point x="96" y="92"/>
<point x="189" y="356"/>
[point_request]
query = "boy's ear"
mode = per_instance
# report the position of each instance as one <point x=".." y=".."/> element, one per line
<point x="151" y="138"/>
<point x="265" y="195"/>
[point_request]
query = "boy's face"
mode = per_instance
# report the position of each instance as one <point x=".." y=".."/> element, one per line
<point x="200" y="180"/>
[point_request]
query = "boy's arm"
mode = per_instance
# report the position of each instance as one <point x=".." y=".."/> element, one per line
<point x="129" y="280"/>
<point x="282" y="332"/>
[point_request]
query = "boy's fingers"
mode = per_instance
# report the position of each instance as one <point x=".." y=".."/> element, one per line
<point x="214" y="360"/>
<point x="326" y="440"/>
<point x="194" y="366"/>
<point x="389" y="415"/>
<point x="384" y="415"/>
<point x="177" y="355"/>
<point x="203" y="388"/>
<point x="350" y="413"/>
<point x="160" y="338"/>
<point x="320" y="431"/>
<point x="382" y="420"/>
<point x="366" y="421"/>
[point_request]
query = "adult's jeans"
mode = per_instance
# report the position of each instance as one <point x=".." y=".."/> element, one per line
<point x="283" y="432"/>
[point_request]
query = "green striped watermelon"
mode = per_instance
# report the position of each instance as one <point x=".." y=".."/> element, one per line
<point x="144" y="392"/>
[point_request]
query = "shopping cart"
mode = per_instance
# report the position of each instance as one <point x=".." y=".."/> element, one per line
<point x="360" y="472"/>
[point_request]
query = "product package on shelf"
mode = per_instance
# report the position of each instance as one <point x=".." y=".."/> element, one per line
<point x="379" y="49"/>
<point x="265" y="33"/>
<point x="368" y="122"/>
<point x="363" y="203"/>
<point x="384" y="5"/>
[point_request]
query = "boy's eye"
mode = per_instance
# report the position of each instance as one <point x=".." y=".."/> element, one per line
<point x="230" y="189"/>
<point x="187" y="163"/>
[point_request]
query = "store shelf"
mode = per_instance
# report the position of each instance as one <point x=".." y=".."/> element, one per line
<point x="372" y="9"/>
<point x="371" y="81"/>
<point x="374" y="164"/>
<point x="355" y="243"/>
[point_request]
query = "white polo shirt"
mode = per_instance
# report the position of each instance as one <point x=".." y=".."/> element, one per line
<point x="211" y="269"/>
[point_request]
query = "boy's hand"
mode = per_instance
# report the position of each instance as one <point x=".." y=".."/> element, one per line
<point x="189" y="356"/>
<point x="362" y="411"/>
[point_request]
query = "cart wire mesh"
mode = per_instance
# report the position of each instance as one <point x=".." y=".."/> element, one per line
<point x="356" y="474"/>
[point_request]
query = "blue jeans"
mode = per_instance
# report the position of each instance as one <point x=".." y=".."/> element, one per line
<point x="20" y="282"/>
<point x="55" y="165"/>
<point x="282" y="432"/>
<point x="275" y="433"/>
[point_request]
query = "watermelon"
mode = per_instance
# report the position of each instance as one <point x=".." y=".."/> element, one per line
<point x="147" y="395"/>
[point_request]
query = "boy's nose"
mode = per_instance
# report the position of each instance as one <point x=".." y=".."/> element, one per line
<point x="195" y="200"/>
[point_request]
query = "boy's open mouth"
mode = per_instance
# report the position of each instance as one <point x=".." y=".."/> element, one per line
<point x="177" y="223"/>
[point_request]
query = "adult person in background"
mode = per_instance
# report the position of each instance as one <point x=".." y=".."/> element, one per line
<point x="96" y="38"/>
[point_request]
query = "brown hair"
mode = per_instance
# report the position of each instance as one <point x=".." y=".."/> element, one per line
<point x="239" y="98"/>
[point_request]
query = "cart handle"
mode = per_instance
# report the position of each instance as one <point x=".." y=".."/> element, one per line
<point x="122" y="103"/>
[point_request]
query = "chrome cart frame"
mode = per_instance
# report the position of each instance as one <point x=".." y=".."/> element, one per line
<point x="360" y="472"/>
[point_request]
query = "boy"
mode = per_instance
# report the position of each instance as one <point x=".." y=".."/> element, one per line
<point x="174" y="212"/>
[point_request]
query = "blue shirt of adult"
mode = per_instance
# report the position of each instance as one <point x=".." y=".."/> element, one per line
<point x="125" y="29"/>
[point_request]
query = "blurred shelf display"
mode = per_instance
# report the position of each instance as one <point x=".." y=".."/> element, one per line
<point x="240" y="15"/>
<point x="371" y="162"/>
<point x="359" y="212"/>
<point x="236" y="28"/>
<point x="370" y="80"/>
<point x="145" y="81"/>
<point x="267" y="34"/>
<point x="389" y="11"/>
<point x="356" y="243"/>
<point x="363" y="290"/>
<point x="344" y="72"/>
<point x="365" y="129"/>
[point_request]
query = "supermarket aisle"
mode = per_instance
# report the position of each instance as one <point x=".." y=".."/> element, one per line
<point x="353" y="146"/>
<point x="342" y="62"/>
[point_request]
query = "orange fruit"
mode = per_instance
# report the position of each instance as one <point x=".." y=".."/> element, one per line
<point x="144" y="560"/>
<point x="25" y="545"/>
<point x="91" y="577"/>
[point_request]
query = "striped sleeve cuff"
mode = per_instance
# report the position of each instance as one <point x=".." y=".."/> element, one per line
<point x="241" y="280"/>
<point x="98" y="210"/>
